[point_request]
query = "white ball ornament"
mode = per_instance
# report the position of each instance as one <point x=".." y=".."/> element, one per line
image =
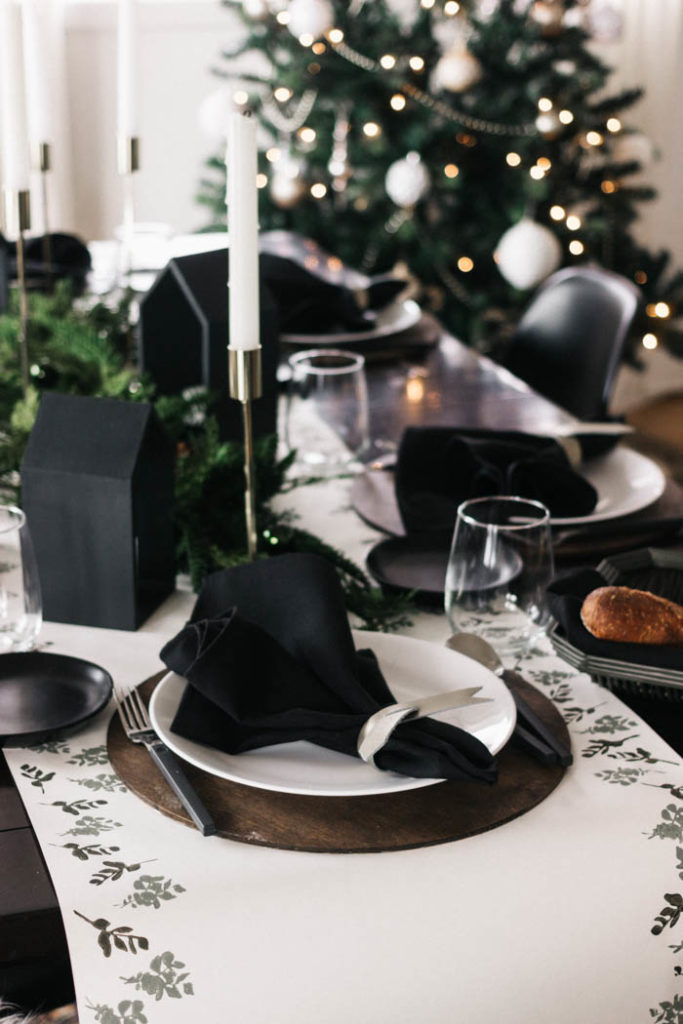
<point x="456" y="71"/>
<point x="287" y="184"/>
<point x="528" y="253"/>
<point x="310" y="17"/>
<point x="407" y="180"/>
<point x="257" y="10"/>
<point x="548" y="124"/>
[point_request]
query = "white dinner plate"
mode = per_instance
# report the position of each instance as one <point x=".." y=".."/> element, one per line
<point x="394" y="318"/>
<point x="412" y="668"/>
<point x="626" y="482"/>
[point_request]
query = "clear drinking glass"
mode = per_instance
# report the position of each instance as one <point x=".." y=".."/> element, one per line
<point x="500" y="564"/>
<point x="327" y="409"/>
<point x="20" y="601"/>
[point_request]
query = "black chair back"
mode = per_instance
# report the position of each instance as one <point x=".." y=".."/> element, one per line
<point x="569" y="342"/>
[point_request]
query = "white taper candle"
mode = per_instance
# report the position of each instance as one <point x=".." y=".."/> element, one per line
<point x="242" y="199"/>
<point x="36" y="68"/>
<point x="13" y="134"/>
<point x="126" y="53"/>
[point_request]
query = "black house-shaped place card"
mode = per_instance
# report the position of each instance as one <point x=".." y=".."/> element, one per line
<point x="184" y="339"/>
<point x="97" y="489"/>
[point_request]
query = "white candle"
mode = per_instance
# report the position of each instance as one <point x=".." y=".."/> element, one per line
<point x="126" y="70"/>
<point x="243" y="233"/>
<point x="36" y="69"/>
<point x="13" y="136"/>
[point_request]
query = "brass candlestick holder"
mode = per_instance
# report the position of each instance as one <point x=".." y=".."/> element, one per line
<point x="244" y="369"/>
<point x="128" y="158"/>
<point x="17" y="221"/>
<point x="42" y="162"/>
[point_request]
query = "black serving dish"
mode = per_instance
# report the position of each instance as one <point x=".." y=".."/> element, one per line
<point x="48" y="696"/>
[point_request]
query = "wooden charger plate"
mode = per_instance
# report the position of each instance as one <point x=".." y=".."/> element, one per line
<point x="366" y="824"/>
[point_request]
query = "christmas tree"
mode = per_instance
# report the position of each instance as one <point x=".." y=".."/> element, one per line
<point x="474" y="144"/>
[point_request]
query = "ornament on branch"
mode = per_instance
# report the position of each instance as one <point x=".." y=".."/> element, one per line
<point x="605" y="22"/>
<point x="457" y="71"/>
<point x="548" y="15"/>
<point x="257" y="10"/>
<point x="287" y="184"/>
<point x="406" y="13"/>
<point x="407" y="180"/>
<point x="548" y="124"/>
<point x="527" y="253"/>
<point x="310" y="17"/>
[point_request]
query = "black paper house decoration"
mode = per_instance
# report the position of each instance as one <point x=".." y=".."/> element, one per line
<point x="97" y="490"/>
<point x="184" y="339"/>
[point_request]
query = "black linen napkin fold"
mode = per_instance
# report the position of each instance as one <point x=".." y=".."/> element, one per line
<point x="566" y="593"/>
<point x="269" y="658"/>
<point x="440" y="467"/>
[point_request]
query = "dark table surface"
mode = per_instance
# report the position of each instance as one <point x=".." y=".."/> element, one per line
<point x="446" y="383"/>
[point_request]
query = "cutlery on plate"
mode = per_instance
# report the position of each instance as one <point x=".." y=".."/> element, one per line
<point x="138" y="729"/>
<point x="379" y="727"/>
<point x="530" y="730"/>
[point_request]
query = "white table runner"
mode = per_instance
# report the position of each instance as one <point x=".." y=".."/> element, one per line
<point x="549" y="917"/>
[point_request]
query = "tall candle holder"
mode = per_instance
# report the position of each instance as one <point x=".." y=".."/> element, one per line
<point x="128" y="154"/>
<point x="42" y="162"/>
<point x="244" y="367"/>
<point x="18" y="220"/>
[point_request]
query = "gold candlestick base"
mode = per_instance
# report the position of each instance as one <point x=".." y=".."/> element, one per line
<point x="244" y="370"/>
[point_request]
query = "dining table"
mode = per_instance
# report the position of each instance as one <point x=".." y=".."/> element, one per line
<point x="569" y="909"/>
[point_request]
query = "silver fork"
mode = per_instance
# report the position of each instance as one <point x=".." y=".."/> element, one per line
<point x="138" y="729"/>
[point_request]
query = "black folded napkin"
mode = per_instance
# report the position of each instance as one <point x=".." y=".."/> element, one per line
<point x="566" y="594"/>
<point x="269" y="658"/>
<point x="317" y="293"/>
<point x="440" y="467"/>
<point x="70" y="259"/>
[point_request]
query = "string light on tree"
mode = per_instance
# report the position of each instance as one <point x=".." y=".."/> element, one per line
<point x="650" y="341"/>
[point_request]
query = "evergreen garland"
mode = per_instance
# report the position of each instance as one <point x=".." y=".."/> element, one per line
<point x="84" y="350"/>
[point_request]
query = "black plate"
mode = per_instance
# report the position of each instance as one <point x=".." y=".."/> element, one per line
<point x="411" y="563"/>
<point x="44" y="696"/>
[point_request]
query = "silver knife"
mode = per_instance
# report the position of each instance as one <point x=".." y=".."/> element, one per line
<point x="378" y="728"/>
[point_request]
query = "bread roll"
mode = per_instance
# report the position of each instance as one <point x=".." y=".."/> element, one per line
<point x="632" y="616"/>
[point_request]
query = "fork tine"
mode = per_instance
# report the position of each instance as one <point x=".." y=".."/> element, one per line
<point x="140" y="709"/>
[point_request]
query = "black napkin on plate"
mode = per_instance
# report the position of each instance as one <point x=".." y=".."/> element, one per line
<point x="317" y="293"/>
<point x="440" y="467"/>
<point x="269" y="658"/>
<point x="566" y="594"/>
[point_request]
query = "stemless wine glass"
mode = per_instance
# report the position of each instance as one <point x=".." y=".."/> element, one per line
<point x="327" y="409"/>
<point x="20" y="599"/>
<point x="500" y="563"/>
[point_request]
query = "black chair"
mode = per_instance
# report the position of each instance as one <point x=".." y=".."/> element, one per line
<point x="569" y="342"/>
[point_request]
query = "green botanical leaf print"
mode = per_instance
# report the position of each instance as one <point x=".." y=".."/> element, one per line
<point x="87" y="851"/>
<point x="671" y="826"/>
<point x="560" y="693"/>
<point x="669" y="915"/>
<point x="112" y="870"/>
<point x="152" y="891"/>
<point x="676" y="791"/>
<point x="76" y="807"/>
<point x="668" y="1012"/>
<point x="610" y="748"/>
<point x="622" y="776"/>
<point x="127" y="1012"/>
<point x="89" y="826"/>
<point x="90" y="756"/>
<point x="120" y="937"/>
<point x="612" y="724"/>
<point x="106" y="782"/>
<point x="38" y="778"/>
<point x="51" y="747"/>
<point x="165" y="977"/>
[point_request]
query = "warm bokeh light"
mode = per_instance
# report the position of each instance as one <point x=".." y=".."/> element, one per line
<point x="306" y="39"/>
<point x="594" y="138"/>
<point x="640" y="277"/>
<point x="335" y="35"/>
<point x="557" y="212"/>
<point x="650" y="341"/>
<point x="371" y="129"/>
<point x="318" y="191"/>
<point x="513" y="159"/>
<point x="613" y="124"/>
<point x="416" y="64"/>
<point x="387" y="61"/>
<point x="576" y="247"/>
<point x="662" y="310"/>
<point x="240" y="97"/>
<point x="565" y="117"/>
<point x="415" y="389"/>
<point x="261" y="180"/>
<point x="573" y="222"/>
<point x="536" y="172"/>
<point x="273" y="154"/>
<point x="397" y="101"/>
<point x="545" y="104"/>
<point x="451" y="8"/>
<point x="608" y="187"/>
<point x="427" y="4"/>
<point x="307" y="134"/>
<point x="451" y="170"/>
<point x="318" y="48"/>
<point x="282" y="17"/>
<point x="544" y="163"/>
<point x="282" y="94"/>
<point x="465" y="264"/>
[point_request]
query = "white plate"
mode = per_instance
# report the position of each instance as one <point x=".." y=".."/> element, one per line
<point x="626" y="482"/>
<point x="397" y="317"/>
<point x="412" y="668"/>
